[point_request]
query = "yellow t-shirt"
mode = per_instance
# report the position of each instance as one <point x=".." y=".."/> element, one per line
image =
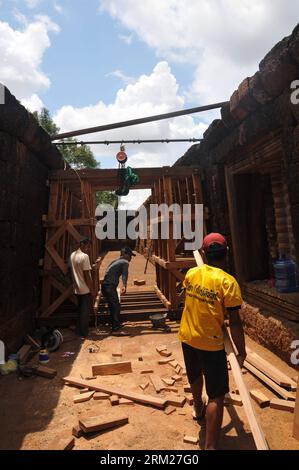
<point x="209" y="291"/>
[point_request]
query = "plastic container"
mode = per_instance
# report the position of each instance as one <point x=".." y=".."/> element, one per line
<point x="43" y="356"/>
<point x="286" y="279"/>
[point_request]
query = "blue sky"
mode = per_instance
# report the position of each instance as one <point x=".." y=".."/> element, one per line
<point x="91" y="62"/>
<point x="89" y="47"/>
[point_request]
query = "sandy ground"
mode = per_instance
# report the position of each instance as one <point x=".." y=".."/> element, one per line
<point x="37" y="411"/>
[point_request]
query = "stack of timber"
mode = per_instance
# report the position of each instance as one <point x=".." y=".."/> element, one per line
<point x="135" y="306"/>
<point x="267" y="298"/>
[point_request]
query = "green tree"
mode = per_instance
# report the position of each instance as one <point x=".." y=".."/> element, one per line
<point x="78" y="156"/>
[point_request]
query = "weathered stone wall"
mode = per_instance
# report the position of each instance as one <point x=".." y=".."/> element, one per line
<point x="259" y="109"/>
<point x="26" y="155"/>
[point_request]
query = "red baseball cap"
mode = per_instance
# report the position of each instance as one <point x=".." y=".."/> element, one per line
<point x="213" y="238"/>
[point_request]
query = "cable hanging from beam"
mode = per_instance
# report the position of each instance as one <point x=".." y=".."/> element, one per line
<point x="135" y="141"/>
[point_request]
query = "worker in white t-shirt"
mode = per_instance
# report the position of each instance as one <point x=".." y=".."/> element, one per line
<point x="83" y="287"/>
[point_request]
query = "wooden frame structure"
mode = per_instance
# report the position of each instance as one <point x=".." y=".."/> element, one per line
<point x="71" y="215"/>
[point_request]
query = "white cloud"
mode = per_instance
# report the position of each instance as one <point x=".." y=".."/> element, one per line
<point x="19" y="17"/>
<point x="123" y="77"/>
<point x="58" y="8"/>
<point x="126" y="38"/>
<point x="33" y="3"/>
<point x="150" y="95"/>
<point x="223" y="39"/>
<point x="33" y="103"/>
<point x="21" y="54"/>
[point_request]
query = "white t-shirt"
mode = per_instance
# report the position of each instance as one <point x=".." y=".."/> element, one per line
<point x="79" y="263"/>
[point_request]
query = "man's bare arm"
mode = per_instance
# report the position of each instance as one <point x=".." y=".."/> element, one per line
<point x="237" y="332"/>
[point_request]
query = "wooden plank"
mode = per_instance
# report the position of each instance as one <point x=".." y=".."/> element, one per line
<point x="296" y="418"/>
<point x="83" y="397"/>
<point x="117" y="351"/>
<point x="139" y="398"/>
<point x="97" y="423"/>
<point x="164" y="361"/>
<point x="144" y="386"/>
<point x="167" y="381"/>
<point x="32" y="342"/>
<point x="257" y="432"/>
<point x="112" y="368"/>
<point x="173" y="363"/>
<point x="65" y="295"/>
<point x="46" y="372"/>
<point x="189" y="399"/>
<point x="191" y="440"/>
<point x="165" y="353"/>
<point x="110" y="176"/>
<point x="161" y="348"/>
<point x="157" y="383"/>
<point x="162" y="297"/>
<point x="84" y="390"/>
<point x="231" y="399"/>
<point x="125" y="401"/>
<point x="169" y="410"/>
<point x="272" y="372"/>
<point x="101" y="396"/>
<point x="283" y="405"/>
<point x="260" y="398"/>
<point x="57" y="259"/>
<point x="147" y="371"/>
<point x="177" y="378"/>
<point x="114" y="400"/>
<point x="23" y="353"/>
<point x="274" y="386"/>
<point x="77" y="431"/>
<point x="176" y="400"/>
<point x="64" y="443"/>
<point x="171" y="389"/>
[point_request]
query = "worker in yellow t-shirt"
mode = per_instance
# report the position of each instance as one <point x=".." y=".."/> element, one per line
<point x="211" y="296"/>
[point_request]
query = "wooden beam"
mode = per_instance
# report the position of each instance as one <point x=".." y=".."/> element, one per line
<point x="279" y="390"/>
<point x="260" y="398"/>
<point x="111" y="368"/>
<point x="296" y="418"/>
<point x="74" y="222"/>
<point x="96" y="423"/>
<point x="282" y="405"/>
<point x="162" y="297"/>
<point x="257" y="432"/>
<point x="157" y="383"/>
<point x="65" y="295"/>
<point x="107" y="176"/>
<point x="271" y="371"/>
<point x="139" y="398"/>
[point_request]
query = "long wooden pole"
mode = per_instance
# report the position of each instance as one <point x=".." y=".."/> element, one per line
<point x="257" y="432"/>
<point x="134" y="122"/>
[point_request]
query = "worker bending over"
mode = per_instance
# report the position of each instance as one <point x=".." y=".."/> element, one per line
<point x="117" y="268"/>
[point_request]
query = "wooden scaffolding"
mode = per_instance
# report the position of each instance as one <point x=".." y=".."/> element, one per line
<point x="71" y="215"/>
